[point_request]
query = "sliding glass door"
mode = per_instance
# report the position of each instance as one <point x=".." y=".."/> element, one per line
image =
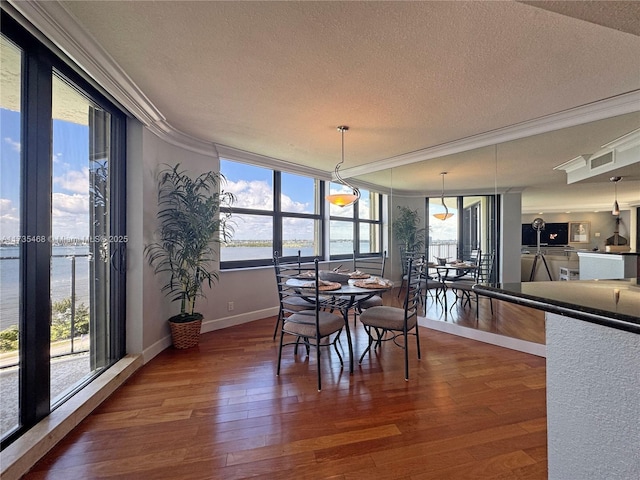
<point x="63" y="232"/>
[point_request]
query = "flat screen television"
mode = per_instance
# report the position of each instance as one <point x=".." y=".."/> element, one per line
<point x="553" y="234"/>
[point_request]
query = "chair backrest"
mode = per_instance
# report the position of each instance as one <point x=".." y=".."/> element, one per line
<point x="415" y="268"/>
<point x="485" y="268"/>
<point x="476" y="258"/>
<point x="373" y="265"/>
<point x="288" y="292"/>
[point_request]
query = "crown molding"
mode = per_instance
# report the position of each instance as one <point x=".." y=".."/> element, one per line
<point x="62" y="31"/>
<point x="607" y="108"/>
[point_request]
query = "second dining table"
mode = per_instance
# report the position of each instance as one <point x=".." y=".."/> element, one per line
<point x="344" y="295"/>
<point x="443" y="272"/>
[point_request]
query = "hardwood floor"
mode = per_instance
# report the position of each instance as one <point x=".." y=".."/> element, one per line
<point x="218" y="411"/>
<point x="507" y="319"/>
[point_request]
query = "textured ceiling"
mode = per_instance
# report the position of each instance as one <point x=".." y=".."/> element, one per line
<point x="276" y="78"/>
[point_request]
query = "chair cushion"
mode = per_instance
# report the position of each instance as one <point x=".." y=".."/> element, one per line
<point x="303" y="323"/>
<point x="389" y="318"/>
<point x="297" y="303"/>
<point x="375" y="301"/>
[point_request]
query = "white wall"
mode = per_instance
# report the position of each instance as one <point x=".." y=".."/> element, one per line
<point x="252" y="291"/>
<point x="593" y="407"/>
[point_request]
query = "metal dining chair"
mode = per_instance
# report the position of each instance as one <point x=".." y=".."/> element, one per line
<point x="463" y="289"/>
<point x="294" y="268"/>
<point x="311" y="324"/>
<point x="386" y="323"/>
<point x="372" y="265"/>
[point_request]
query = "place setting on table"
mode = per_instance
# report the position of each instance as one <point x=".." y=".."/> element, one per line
<point x="342" y="282"/>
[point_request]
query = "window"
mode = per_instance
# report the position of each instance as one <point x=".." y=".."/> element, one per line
<point x="356" y="228"/>
<point x="62" y="229"/>
<point x="274" y="212"/>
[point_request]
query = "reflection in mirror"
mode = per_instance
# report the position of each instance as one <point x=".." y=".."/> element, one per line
<point x="522" y="173"/>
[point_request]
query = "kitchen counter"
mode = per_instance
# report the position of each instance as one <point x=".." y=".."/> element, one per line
<point x="607" y="264"/>
<point x="612" y="303"/>
<point x="593" y="381"/>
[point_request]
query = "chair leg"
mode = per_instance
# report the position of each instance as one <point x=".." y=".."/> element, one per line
<point x="280" y="353"/>
<point x="406" y="356"/>
<point x="278" y="320"/>
<point x="318" y="362"/>
<point x="418" y="341"/>
<point x="368" y="330"/>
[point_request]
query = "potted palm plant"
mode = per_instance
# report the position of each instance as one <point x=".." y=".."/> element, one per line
<point x="406" y="228"/>
<point x="190" y="224"/>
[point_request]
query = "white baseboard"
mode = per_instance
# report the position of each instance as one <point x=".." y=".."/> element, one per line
<point x="210" y="326"/>
<point x="217" y="324"/>
<point x="486" y="337"/>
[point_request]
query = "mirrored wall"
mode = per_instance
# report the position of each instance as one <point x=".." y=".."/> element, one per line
<point x="523" y="175"/>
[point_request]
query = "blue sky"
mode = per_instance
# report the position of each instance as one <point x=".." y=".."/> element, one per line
<point x="70" y="186"/>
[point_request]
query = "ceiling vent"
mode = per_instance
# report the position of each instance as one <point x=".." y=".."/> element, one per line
<point x="602" y="160"/>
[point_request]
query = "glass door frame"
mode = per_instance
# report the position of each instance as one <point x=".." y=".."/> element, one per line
<point x="38" y="66"/>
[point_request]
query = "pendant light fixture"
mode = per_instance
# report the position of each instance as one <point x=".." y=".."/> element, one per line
<point x="446" y="214"/>
<point x="616" y="208"/>
<point x="343" y="199"/>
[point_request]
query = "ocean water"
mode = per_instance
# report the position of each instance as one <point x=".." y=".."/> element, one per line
<point x="61" y="266"/>
<point x="61" y="272"/>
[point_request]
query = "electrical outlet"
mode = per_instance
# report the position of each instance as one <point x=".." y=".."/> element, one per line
<point x="230" y="306"/>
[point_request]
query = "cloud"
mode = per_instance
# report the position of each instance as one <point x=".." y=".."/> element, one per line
<point x="9" y="219"/>
<point x="75" y="204"/>
<point x="15" y="146"/>
<point x="254" y="194"/>
<point x="74" y="181"/>
<point x="290" y="205"/>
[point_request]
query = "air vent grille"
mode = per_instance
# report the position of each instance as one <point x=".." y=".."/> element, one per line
<point x="602" y="160"/>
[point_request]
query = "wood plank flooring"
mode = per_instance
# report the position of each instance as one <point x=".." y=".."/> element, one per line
<point x="218" y="411"/>
<point x="507" y="319"/>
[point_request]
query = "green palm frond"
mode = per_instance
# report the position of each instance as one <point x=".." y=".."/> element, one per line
<point x="190" y="224"/>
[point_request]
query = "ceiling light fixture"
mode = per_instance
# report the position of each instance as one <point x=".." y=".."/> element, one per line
<point x="343" y="199"/>
<point x="616" y="208"/>
<point x="446" y="214"/>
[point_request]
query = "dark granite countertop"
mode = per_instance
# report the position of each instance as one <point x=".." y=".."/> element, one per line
<point x="612" y="303"/>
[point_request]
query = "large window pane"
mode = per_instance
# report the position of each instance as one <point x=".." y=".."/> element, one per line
<point x="298" y="194"/>
<point x="10" y="133"/>
<point x="252" y="240"/>
<point x="370" y="238"/>
<point x="369" y="205"/>
<point x="341" y="242"/>
<point x="80" y="230"/>
<point x="301" y="234"/>
<point x="253" y="186"/>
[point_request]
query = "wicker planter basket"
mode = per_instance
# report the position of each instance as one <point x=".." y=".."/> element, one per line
<point x="185" y="334"/>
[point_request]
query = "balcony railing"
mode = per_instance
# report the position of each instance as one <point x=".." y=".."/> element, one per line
<point x="75" y="343"/>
